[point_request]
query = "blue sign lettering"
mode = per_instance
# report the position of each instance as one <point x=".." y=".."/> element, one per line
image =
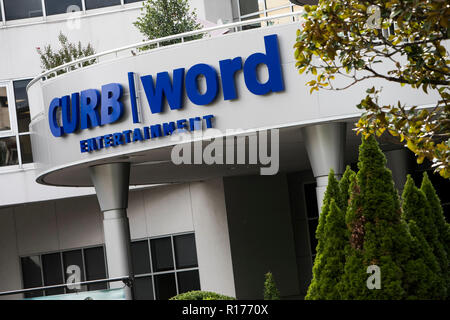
<point x="90" y="108"/>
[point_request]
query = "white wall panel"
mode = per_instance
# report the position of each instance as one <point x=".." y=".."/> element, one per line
<point x="79" y="222"/>
<point x="37" y="230"/>
<point x="107" y="31"/>
<point x="137" y="215"/>
<point x="21" y="187"/>
<point x="168" y="210"/>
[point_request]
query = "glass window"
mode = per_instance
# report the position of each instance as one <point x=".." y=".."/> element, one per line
<point x="62" y="6"/>
<point x="5" y="123"/>
<point x="94" y="4"/>
<point x="130" y="1"/>
<point x="165" y="286"/>
<point x="25" y="148"/>
<point x="31" y="275"/>
<point x="311" y="201"/>
<point x="166" y="275"/>
<point x="95" y="267"/>
<point x="143" y="289"/>
<point x="249" y="9"/>
<point x="52" y="271"/>
<point x="250" y="6"/>
<point x="140" y="257"/>
<point x="162" y="254"/>
<point x="22" y="9"/>
<point x="312" y="214"/>
<point x="8" y="151"/>
<point x="70" y="258"/>
<point x="185" y="252"/>
<point x="188" y="281"/>
<point x="22" y="106"/>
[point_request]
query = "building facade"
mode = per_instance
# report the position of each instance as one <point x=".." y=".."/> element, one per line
<point x="209" y="226"/>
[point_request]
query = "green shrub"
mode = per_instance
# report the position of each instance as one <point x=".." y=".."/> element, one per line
<point x="362" y="224"/>
<point x="201" y="295"/>
<point x="270" y="288"/>
<point x="162" y="18"/>
<point x="68" y="52"/>
<point x="432" y="283"/>
<point x="443" y="228"/>
<point x="378" y="236"/>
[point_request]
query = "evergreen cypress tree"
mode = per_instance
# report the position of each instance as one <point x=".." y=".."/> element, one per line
<point x="442" y="228"/>
<point x="378" y="235"/>
<point x="416" y="208"/>
<point x="333" y="255"/>
<point x="270" y="288"/>
<point x="344" y="188"/>
<point x="423" y="275"/>
<point x="331" y="192"/>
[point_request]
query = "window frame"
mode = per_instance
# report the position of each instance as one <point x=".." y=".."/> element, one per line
<point x="37" y="18"/>
<point x="63" y="16"/>
<point x="173" y="271"/>
<point x="309" y="219"/>
<point x="60" y="252"/>
<point x="14" y="131"/>
<point x="11" y="109"/>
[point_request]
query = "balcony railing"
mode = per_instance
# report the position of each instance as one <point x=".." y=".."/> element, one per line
<point x="182" y="37"/>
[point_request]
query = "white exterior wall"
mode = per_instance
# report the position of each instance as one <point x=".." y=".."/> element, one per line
<point x="19" y="59"/>
<point x="110" y="28"/>
<point x="77" y="222"/>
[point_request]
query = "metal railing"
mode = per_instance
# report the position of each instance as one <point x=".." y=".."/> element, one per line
<point x="126" y="280"/>
<point x="235" y="26"/>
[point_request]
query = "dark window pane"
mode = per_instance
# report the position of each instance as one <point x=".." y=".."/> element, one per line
<point x="62" y="6"/>
<point x="31" y="275"/>
<point x="165" y="287"/>
<point x="140" y="257"/>
<point x="51" y="265"/>
<point x="311" y="200"/>
<point x="71" y="258"/>
<point x="93" y="4"/>
<point x="5" y="124"/>
<point x="8" y="151"/>
<point x="312" y="224"/>
<point x="185" y="252"/>
<point x="22" y="106"/>
<point x="143" y="289"/>
<point x="162" y="254"/>
<point x="94" y="259"/>
<point x="130" y="1"/>
<point x="249" y="6"/>
<point x="21" y="9"/>
<point x="25" y="148"/>
<point x="188" y="281"/>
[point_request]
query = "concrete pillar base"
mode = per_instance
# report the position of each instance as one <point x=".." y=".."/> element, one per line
<point x="111" y="183"/>
<point x="325" y="145"/>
